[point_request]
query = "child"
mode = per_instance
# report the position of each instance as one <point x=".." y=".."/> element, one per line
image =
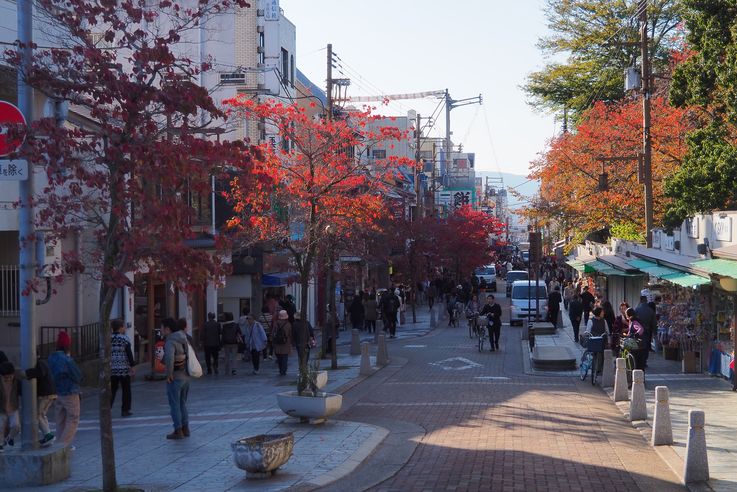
<point x="9" y="398"/>
<point x="46" y="393"/>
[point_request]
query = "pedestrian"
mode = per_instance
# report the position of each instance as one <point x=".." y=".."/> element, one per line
<point x="399" y="292"/>
<point x="229" y="337"/>
<point x="620" y="327"/>
<point x="575" y="312"/>
<point x="646" y="316"/>
<point x="609" y="315"/>
<point x="45" y="397"/>
<point x="67" y="378"/>
<point x="597" y="326"/>
<point x="587" y="299"/>
<point x="177" y="379"/>
<point x="255" y="339"/>
<point x="210" y="339"/>
<point x="636" y="331"/>
<point x="9" y="403"/>
<point x="303" y="336"/>
<point x="289" y="306"/>
<point x="389" y="306"/>
<point x="357" y="312"/>
<point x="493" y="311"/>
<point x="371" y="311"/>
<point x="568" y="292"/>
<point x="432" y="292"/>
<point x="554" y="300"/>
<point x="282" y="339"/>
<point x="243" y="329"/>
<point x="267" y="320"/>
<point x="121" y="366"/>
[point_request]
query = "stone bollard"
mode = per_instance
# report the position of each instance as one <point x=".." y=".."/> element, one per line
<point x="696" y="464"/>
<point x="662" y="430"/>
<point x="433" y="318"/>
<point x="365" y="369"/>
<point x="355" y="342"/>
<point x="607" y="372"/>
<point x="382" y="356"/>
<point x="620" y="381"/>
<point x="638" y="406"/>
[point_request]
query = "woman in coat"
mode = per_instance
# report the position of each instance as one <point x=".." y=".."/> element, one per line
<point x="282" y="340"/>
<point x="371" y="312"/>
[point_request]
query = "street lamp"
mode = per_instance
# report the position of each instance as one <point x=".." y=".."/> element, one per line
<point x="332" y="315"/>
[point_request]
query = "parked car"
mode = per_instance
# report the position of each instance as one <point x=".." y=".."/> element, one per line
<point x="488" y="274"/>
<point x="513" y="276"/>
<point x="523" y="303"/>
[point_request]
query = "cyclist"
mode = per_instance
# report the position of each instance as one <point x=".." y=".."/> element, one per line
<point x="493" y="311"/>
<point x="472" y="312"/>
<point x="598" y="327"/>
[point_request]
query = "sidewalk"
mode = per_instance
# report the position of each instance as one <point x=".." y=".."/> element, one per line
<point x="222" y="409"/>
<point x="711" y="394"/>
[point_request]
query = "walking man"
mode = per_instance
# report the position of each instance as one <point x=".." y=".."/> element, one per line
<point x="229" y="335"/>
<point x="646" y="317"/>
<point x="177" y="379"/>
<point x="282" y="341"/>
<point x="255" y="338"/>
<point x="575" y="312"/>
<point x="554" y="300"/>
<point x="587" y="301"/>
<point x="67" y="378"/>
<point x="121" y="366"/>
<point x="211" y="341"/>
<point x="389" y="307"/>
<point x="493" y="311"/>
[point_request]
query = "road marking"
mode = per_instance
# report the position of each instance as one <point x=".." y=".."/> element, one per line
<point x="191" y="415"/>
<point x="415" y="346"/>
<point x="456" y="364"/>
<point x="492" y="377"/>
<point x="426" y="404"/>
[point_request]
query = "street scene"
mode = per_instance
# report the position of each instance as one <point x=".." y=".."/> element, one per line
<point x="406" y="246"/>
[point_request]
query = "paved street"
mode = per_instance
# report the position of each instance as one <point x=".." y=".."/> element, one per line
<point x="479" y="423"/>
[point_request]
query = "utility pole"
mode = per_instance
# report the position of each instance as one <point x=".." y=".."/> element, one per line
<point x="647" y="171"/>
<point x="329" y="93"/>
<point x="450" y="104"/>
<point x="27" y="237"/>
<point x="418" y="162"/>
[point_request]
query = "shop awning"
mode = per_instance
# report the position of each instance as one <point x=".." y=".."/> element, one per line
<point x="652" y="268"/>
<point x="726" y="268"/>
<point x="581" y="266"/>
<point x="603" y="268"/>
<point x="620" y="264"/>
<point x="686" y="279"/>
<point x="281" y="279"/>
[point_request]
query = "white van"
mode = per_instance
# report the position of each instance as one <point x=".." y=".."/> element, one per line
<point x="522" y="304"/>
<point x="488" y="273"/>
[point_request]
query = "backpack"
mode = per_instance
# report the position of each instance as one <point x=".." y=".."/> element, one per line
<point x="280" y="337"/>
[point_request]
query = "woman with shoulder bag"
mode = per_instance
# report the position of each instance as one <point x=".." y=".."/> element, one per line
<point x="637" y="332"/>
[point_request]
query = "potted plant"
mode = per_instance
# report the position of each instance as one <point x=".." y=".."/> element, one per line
<point x="308" y="403"/>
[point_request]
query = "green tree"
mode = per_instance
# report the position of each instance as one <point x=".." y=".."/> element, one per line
<point x="589" y="35"/>
<point x="705" y="80"/>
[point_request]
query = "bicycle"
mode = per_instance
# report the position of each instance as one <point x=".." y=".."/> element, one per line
<point x="626" y="354"/>
<point x="456" y="318"/>
<point x="481" y="332"/>
<point x="472" y="321"/>
<point x="592" y="358"/>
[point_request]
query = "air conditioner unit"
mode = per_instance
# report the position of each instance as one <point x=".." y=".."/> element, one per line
<point x="232" y="78"/>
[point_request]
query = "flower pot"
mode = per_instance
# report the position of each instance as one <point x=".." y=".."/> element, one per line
<point x="309" y="408"/>
<point x="321" y="379"/>
<point x="260" y="456"/>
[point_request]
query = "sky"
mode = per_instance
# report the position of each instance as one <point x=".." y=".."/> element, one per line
<point x="470" y="47"/>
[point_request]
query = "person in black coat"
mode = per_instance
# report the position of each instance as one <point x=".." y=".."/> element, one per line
<point x="493" y="311"/>
<point x="554" y="300"/>
<point x="587" y="300"/>
<point x="575" y="312"/>
<point x="357" y="312"/>
<point x="646" y="316"/>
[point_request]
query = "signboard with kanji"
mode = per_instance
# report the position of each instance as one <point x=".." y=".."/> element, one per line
<point x="271" y="10"/>
<point x="13" y="170"/>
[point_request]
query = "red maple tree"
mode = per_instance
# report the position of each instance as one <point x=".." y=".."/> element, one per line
<point x="125" y="179"/>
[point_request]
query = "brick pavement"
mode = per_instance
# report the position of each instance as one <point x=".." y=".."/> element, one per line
<point x="489" y="426"/>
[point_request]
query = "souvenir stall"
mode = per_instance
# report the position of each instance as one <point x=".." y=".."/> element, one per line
<point x="722" y="341"/>
<point x="685" y="323"/>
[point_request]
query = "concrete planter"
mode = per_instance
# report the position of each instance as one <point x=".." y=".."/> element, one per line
<point x="260" y="456"/>
<point x="309" y="408"/>
<point x="321" y="379"/>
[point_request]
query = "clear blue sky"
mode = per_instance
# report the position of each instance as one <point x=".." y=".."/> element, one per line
<point x="467" y="46"/>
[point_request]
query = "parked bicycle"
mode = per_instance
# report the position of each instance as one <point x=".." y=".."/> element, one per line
<point x="627" y="345"/>
<point x="481" y="332"/>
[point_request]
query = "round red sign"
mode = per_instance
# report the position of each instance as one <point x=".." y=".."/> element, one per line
<point x="9" y="115"/>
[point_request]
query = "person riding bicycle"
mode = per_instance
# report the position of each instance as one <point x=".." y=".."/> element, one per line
<point x="493" y="312"/>
<point x="637" y="332"/>
<point x="472" y="307"/>
<point x="598" y="327"/>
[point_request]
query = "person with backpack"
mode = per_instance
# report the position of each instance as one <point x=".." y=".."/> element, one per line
<point x="229" y="336"/>
<point x="282" y="340"/>
<point x="177" y="379"/>
<point x="67" y="378"/>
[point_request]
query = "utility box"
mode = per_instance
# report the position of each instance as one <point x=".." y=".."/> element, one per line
<point x="632" y="79"/>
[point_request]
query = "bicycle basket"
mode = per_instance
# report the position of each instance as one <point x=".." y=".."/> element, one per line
<point x="595" y="344"/>
<point x="481" y="320"/>
<point x="630" y="344"/>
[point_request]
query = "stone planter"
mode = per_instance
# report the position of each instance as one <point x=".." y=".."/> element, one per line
<point x="691" y="362"/>
<point x="315" y="409"/>
<point x="260" y="456"/>
<point x="321" y="379"/>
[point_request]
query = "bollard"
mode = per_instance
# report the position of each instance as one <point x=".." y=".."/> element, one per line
<point x="433" y="319"/>
<point x="696" y="464"/>
<point x="525" y="330"/>
<point x="382" y="357"/>
<point x="355" y="342"/>
<point x="607" y="373"/>
<point x="620" y="381"/>
<point x="365" y="369"/>
<point x="662" y="430"/>
<point x="379" y="329"/>
<point x="638" y="407"/>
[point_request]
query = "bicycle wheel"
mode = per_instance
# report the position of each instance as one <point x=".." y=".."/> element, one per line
<point x="585" y="365"/>
<point x="481" y="342"/>
<point x="630" y="366"/>
<point x="471" y="327"/>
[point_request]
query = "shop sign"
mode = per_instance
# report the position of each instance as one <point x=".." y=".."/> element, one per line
<point x="723" y="228"/>
<point x="271" y="10"/>
<point x="656" y="239"/>
<point x="692" y="227"/>
<point x="669" y="243"/>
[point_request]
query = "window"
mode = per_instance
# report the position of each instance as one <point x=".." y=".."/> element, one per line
<point x="262" y="45"/>
<point x="284" y="66"/>
<point x="379" y="154"/>
<point x="291" y="70"/>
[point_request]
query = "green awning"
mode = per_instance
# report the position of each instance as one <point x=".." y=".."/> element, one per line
<point x="686" y="279"/>
<point x="640" y="264"/>
<point x="581" y="266"/>
<point x="652" y="268"/>
<point x="726" y="268"/>
<point x="603" y="268"/>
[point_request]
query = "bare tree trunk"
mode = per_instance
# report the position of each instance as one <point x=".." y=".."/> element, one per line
<point x="107" y="447"/>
